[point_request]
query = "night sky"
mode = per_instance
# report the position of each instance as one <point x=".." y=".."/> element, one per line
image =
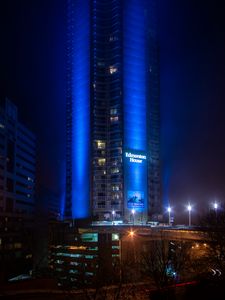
<point x="192" y="65"/>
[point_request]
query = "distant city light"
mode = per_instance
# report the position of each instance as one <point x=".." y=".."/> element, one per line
<point x="215" y="205"/>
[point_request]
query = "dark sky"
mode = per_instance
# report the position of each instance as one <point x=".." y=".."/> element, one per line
<point x="192" y="62"/>
<point x="192" y="36"/>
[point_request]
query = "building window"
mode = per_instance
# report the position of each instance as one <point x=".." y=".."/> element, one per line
<point x="100" y="144"/>
<point x="101" y="64"/>
<point x="115" y="196"/>
<point x="112" y="69"/>
<point x="114" y="119"/>
<point x="115" y="187"/>
<point x="115" y="162"/>
<point x="115" y="170"/>
<point x="113" y="111"/>
<point x="101" y="204"/>
<point x="113" y="38"/>
<point x="101" y="161"/>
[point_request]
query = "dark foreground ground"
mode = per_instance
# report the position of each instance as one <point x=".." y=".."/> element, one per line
<point x="48" y="290"/>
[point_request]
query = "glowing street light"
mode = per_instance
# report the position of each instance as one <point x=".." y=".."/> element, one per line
<point x="189" y="207"/>
<point x="131" y="233"/>
<point x="169" y="211"/>
<point x="113" y="216"/>
<point x="133" y="212"/>
<point x="215" y="206"/>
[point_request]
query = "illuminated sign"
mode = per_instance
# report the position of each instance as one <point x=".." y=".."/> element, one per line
<point x="135" y="180"/>
<point x="135" y="158"/>
<point x="135" y="199"/>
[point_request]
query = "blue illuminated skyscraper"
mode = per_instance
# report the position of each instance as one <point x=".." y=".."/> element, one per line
<point x="112" y="110"/>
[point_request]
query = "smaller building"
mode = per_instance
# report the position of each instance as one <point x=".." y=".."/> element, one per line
<point x="17" y="188"/>
<point x="89" y="258"/>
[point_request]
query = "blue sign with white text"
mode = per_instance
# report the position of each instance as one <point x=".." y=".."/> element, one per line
<point x="135" y="180"/>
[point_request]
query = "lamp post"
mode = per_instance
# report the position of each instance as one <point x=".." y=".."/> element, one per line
<point x="189" y="213"/>
<point x="215" y="206"/>
<point x="169" y="211"/>
<point x="113" y="216"/>
<point x="121" y="255"/>
<point x="133" y="212"/>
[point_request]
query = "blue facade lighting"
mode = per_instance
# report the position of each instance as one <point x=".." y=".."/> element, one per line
<point x="81" y="112"/>
<point x="134" y="76"/>
<point x="109" y="112"/>
<point x="135" y="127"/>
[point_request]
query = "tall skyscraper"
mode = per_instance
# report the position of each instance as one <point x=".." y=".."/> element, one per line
<point x="113" y="166"/>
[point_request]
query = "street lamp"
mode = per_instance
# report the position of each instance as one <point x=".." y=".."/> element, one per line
<point x="189" y="207"/>
<point x="113" y="216"/>
<point x="133" y="212"/>
<point x="131" y="233"/>
<point x="215" y="206"/>
<point x="169" y="211"/>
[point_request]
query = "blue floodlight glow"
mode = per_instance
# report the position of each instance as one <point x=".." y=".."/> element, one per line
<point x="135" y="106"/>
<point x="81" y="112"/>
<point x="134" y="74"/>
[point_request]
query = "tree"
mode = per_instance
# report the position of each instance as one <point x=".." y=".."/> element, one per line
<point x="166" y="262"/>
<point x="214" y="224"/>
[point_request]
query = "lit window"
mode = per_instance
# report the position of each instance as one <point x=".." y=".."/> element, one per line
<point x="114" y="119"/>
<point x="113" y="38"/>
<point x="115" y="170"/>
<point x="115" y="236"/>
<point x="115" y="247"/>
<point x="89" y="256"/>
<point x="58" y="261"/>
<point x="115" y="196"/>
<point x="101" y="161"/>
<point x="74" y="263"/>
<point x="115" y="188"/>
<point x="112" y="69"/>
<point x="73" y="271"/>
<point x="100" y="144"/>
<point x="113" y="111"/>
